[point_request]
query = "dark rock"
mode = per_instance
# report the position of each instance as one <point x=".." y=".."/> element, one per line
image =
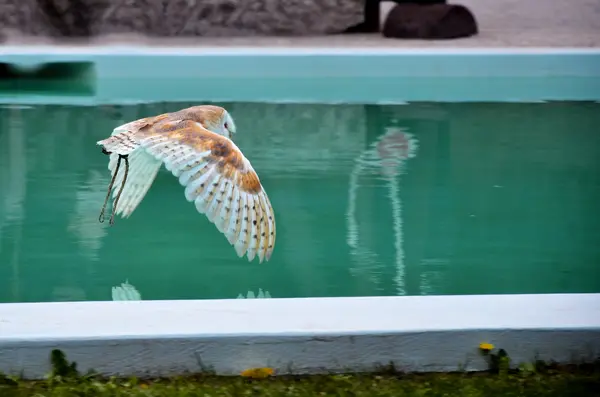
<point x="436" y="21"/>
<point x="371" y="11"/>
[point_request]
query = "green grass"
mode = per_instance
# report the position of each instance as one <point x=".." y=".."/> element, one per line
<point x="555" y="384"/>
<point x="538" y="380"/>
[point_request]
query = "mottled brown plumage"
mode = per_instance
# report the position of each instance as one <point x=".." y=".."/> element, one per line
<point x="194" y="145"/>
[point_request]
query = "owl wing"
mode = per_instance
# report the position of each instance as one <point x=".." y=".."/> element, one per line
<point x="143" y="169"/>
<point x="217" y="178"/>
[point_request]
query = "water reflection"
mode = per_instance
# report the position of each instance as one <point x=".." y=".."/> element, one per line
<point x="383" y="159"/>
<point x="87" y="231"/>
<point x="13" y="173"/>
<point x="125" y="292"/>
<point x="128" y="292"/>
<point x="260" y="295"/>
<point x="501" y="191"/>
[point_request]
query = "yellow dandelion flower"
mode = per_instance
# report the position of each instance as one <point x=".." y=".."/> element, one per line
<point x="257" y="373"/>
<point x="143" y="386"/>
<point x="486" y="346"/>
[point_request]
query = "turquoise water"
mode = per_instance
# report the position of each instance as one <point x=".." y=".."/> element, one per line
<point x="418" y="199"/>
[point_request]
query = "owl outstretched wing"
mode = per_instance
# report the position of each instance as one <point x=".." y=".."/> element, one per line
<point x="217" y="177"/>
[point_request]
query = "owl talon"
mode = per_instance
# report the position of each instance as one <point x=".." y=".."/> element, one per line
<point x="110" y="186"/>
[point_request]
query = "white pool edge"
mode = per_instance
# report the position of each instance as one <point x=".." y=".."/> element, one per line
<point x="192" y="51"/>
<point x="316" y="335"/>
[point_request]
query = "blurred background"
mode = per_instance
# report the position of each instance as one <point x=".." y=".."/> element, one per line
<point x="291" y="22"/>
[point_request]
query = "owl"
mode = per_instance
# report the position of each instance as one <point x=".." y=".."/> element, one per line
<point x="196" y="145"/>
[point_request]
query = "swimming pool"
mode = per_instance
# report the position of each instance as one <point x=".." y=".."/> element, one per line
<point x="403" y="198"/>
<point x="417" y="199"/>
<point x="399" y="174"/>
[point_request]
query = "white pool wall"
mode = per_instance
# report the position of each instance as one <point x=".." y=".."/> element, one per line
<point x="300" y="336"/>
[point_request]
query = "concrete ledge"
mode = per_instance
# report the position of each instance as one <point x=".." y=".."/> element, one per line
<point x="128" y="74"/>
<point x="436" y="333"/>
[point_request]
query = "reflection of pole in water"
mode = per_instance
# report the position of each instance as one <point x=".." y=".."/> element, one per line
<point x="15" y="194"/>
<point x="394" y="148"/>
<point x="386" y="154"/>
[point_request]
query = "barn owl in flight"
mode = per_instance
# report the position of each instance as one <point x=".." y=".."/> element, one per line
<point x="195" y="145"/>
